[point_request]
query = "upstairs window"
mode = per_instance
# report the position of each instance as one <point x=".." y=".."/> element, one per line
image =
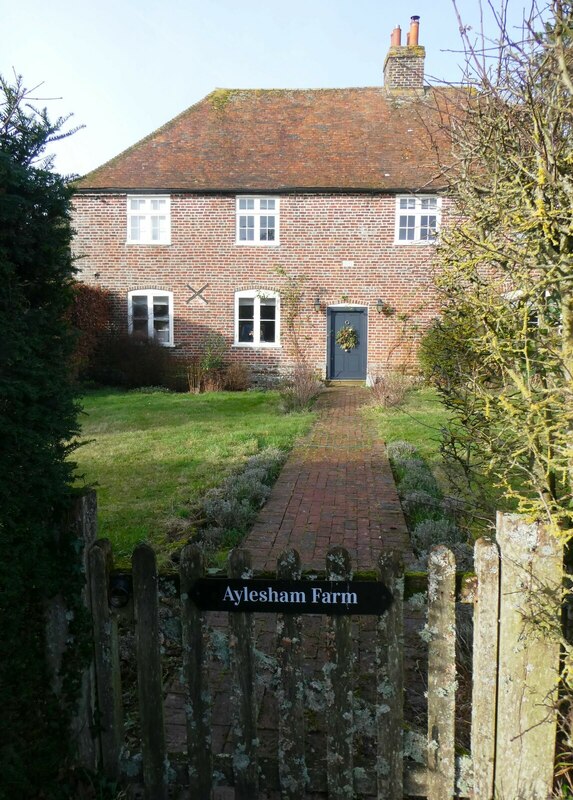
<point x="257" y="319"/>
<point x="258" y="220"/>
<point x="417" y="219"/>
<point x="148" y="220"/>
<point x="150" y="315"/>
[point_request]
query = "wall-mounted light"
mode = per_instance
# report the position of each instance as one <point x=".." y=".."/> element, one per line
<point x="316" y="305"/>
<point x="380" y="305"/>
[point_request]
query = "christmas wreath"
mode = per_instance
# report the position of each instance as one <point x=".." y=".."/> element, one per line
<point x="347" y="338"/>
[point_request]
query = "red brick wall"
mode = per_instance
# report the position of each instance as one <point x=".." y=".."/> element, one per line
<point x="317" y="233"/>
<point x="404" y="68"/>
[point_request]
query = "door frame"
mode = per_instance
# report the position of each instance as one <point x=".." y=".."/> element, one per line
<point x="360" y="307"/>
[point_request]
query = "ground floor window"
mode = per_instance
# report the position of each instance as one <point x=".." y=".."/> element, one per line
<point x="257" y="318"/>
<point x="150" y="315"/>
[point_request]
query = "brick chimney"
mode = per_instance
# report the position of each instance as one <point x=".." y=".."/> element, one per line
<point x="404" y="66"/>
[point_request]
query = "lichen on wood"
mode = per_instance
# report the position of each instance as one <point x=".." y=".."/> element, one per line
<point x="441" y="674"/>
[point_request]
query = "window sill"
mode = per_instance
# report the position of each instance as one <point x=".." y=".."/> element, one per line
<point x="415" y="243"/>
<point x="257" y="244"/>
<point x="148" y="244"/>
<point x="261" y="346"/>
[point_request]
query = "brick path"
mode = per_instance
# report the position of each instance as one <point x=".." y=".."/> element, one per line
<point x="335" y="489"/>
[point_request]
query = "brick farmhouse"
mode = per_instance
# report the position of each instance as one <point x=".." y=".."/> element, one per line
<point x="211" y="222"/>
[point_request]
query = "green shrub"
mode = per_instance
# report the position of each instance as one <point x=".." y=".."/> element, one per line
<point x="420" y="505"/>
<point x="444" y="358"/>
<point x="151" y="390"/>
<point x="90" y="317"/>
<point x="38" y="421"/>
<point x="417" y="477"/>
<point x="431" y="518"/>
<point x="214" y="351"/>
<point x="430" y="532"/>
<point x="230" y="509"/>
<point x="270" y="459"/>
<point x="399" y="450"/>
<point x="130" y="362"/>
<point x="231" y="512"/>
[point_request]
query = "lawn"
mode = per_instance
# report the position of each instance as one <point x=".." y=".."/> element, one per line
<point x="418" y="421"/>
<point x="149" y="456"/>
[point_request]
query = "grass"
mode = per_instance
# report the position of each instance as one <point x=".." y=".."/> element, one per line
<point x="418" y="421"/>
<point x="150" y="456"/>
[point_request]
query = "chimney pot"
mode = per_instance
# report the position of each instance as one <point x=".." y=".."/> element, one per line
<point x="404" y="66"/>
<point x="414" y="31"/>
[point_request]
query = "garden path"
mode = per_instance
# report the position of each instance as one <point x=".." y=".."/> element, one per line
<point x="335" y="489"/>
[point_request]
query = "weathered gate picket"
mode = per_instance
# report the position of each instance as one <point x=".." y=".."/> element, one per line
<point x="290" y="691"/>
<point x="515" y="676"/>
<point x="524" y="719"/>
<point x="390" y="682"/>
<point x="194" y="671"/>
<point x="243" y="697"/>
<point x="442" y="681"/>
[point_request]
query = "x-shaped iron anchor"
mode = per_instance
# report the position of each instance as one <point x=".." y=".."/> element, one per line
<point x="197" y="293"/>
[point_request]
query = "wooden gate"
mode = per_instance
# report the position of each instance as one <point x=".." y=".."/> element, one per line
<point x="516" y="592"/>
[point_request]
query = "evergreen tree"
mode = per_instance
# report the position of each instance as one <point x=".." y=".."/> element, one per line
<point x="37" y="425"/>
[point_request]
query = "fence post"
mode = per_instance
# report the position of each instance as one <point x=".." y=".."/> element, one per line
<point x="198" y="708"/>
<point x="530" y="602"/>
<point x="339" y="689"/>
<point x="149" y="677"/>
<point x="484" y="670"/>
<point x="82" y="520"/>
<point x="290" y="693"/>
<point x="241" y="634"/>
<point x="106" y="660"/>
<point x="441" y="673"/>
<point x="390" y="682"/>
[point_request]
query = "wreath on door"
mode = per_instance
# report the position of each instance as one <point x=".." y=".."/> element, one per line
<point x="347" y="337"/>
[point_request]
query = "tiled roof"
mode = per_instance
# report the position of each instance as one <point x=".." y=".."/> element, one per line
<point x="271" y="140"/>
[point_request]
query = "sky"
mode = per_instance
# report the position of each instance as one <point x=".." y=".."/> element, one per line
<point x="123" y="68"/>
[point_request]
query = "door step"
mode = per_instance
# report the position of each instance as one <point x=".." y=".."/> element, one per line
<point x="343" y="383"/>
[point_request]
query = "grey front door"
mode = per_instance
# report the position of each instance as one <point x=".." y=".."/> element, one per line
<point x="350" y="364"/>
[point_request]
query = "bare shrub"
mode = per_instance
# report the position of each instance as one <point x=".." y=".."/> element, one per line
<point x="213" y="381"/>
<point x="194" y="376"/>
<point x="237" y="377"/>
<point x="390" y="388"/>
<point x="300" y="389"/>
<point x="206" y="372"/>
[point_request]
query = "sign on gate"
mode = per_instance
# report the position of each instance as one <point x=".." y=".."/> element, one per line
<point x="291" y="596"/>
